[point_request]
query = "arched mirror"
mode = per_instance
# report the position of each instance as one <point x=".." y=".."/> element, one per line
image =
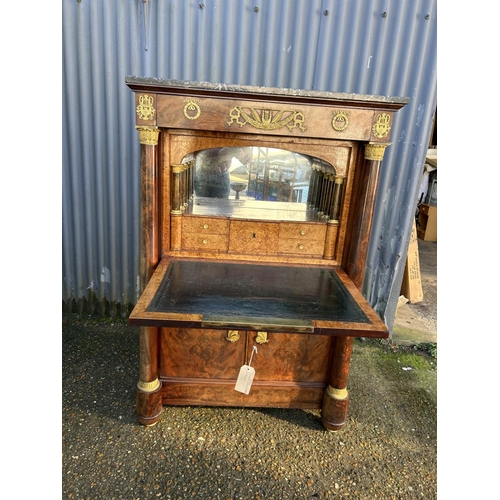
<point x="243" y="180"/>
<point x="252" y="173"/>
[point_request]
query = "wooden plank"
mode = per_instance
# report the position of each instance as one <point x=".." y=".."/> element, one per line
<point x="412" y="283"/>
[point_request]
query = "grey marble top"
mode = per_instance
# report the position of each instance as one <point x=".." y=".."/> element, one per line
<point x="136" y="81"/>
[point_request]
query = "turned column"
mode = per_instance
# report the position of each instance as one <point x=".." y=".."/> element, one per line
<point x="148" y="392"/>
<point x="333" y="217"/>
<point x="177" y="207"/>
<point x="336" y="397"/>
<point x="362" y="212"/>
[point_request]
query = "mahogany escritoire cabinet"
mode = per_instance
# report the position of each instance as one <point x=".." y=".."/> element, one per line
<point x="256" y="212"/>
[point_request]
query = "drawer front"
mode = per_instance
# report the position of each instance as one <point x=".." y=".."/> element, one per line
<point x="205" y="225"/>
<point x="253" y="237"/>
<point x="193" y="241"/>
<point x="303" y="231"/>
<point x="311" y="248"/>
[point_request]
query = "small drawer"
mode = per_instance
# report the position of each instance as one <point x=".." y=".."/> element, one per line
<point x="303" y="231"/>
<point x="205" y="225"/>
<point x="311" y="248"/>
<point x="214" y="242"/>
<point x="253" y="237"/>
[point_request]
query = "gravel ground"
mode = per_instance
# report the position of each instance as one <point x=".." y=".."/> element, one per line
<point x="387" y="449"/>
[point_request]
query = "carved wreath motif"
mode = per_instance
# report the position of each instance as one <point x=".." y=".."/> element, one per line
<point x="191" y="110"/>
<point x="340" y="120"/>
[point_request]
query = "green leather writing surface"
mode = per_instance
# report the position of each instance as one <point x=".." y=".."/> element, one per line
<point x="252" y="293"/>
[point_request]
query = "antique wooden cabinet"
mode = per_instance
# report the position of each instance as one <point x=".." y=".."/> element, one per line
<point x="256" y="213"/>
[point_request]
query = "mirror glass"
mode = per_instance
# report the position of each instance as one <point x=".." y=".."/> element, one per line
<point x="252" y="173"/>
<point x="256" y="182"/>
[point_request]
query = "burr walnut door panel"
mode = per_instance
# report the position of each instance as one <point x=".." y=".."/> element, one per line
<point x="200" y="353"/>
<point x="291" y="357"/>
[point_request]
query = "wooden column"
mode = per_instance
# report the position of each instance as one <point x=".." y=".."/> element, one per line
<point x="362" y="212"/>
<point x="177" y="207"/>
<point x="148" y="392"/>
<point x="337" y="194"/>
<point x="336" y="397"/>
<point x="333" y="218"/>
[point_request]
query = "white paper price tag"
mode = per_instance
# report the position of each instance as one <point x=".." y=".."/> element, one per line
<point x="246" y="375"/>
<point x="245" y="379"/>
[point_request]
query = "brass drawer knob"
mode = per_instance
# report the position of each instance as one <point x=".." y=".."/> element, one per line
<point x="205" y="242"/>
<point x="303" y="232"/>
<point x="205" y="226"/>
<point x="301" y="247"/>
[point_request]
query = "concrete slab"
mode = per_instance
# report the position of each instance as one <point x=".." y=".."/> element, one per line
<point x="411" y="329"/>
<point x="417" y="323"/>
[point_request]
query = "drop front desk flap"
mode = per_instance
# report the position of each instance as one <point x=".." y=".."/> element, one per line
<point x="288" y="299"/>
<point x="256" y="213"/>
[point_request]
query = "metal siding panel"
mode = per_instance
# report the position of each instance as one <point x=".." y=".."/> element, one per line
<point x="287" y="43"/>
<point x="392" y="55"/>
<point x="100" y="175"/>
<point x="401" y="177"/>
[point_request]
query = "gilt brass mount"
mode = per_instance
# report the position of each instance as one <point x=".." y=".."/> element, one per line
<point x="148" y="135"/>
<point x="261" y="338"/>
<point x="375" y="151"/>
<point x="148" y="386"/>
<point x="340" y="120"/>
<point x="381" y="127"/>
<point x="145" y="110"/>
<point x="191" y="110"/>
<point x="233" y="335"/>
<point x="336" y="393"/>
<point x="266" y="119"/>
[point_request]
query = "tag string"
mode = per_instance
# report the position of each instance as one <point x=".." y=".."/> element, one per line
<point x="251" y="356"/>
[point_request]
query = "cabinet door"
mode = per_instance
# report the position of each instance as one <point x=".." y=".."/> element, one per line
<point x="291" y="357"/>
<point x="198" y="353"/>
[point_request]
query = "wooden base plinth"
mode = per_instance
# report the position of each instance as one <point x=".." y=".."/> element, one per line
<point x="149" y="406"/>
<point x="334" y="412"/>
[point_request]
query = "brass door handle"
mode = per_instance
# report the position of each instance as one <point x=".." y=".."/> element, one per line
<point x="261" y="338"/>
<point x="233" y="335"/>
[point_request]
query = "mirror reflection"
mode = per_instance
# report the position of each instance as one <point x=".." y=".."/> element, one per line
<point x="252" y="173"/>
<point x="257" y="183"/>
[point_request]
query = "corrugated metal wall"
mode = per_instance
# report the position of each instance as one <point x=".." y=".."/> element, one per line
<point x="385" y="47"/>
